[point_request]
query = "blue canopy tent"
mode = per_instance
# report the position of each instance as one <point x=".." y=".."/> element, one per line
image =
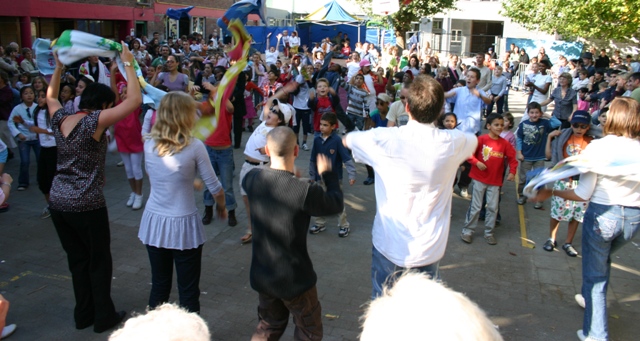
<point x="327" y="21"/>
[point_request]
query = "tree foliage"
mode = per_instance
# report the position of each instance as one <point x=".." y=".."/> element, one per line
<point x="414" y="11"/>
<point x="599" y="19"/>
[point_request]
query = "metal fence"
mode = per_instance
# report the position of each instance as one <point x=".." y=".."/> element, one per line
<point x="520" y="78"/>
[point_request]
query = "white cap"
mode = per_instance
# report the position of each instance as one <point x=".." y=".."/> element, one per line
<point x="286" y="109"/>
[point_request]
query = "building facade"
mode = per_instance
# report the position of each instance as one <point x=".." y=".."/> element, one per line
<point x="24" y="20"/>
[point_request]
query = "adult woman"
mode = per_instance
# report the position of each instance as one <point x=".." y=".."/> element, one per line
<point x="414" y="65"/>
<point x="294" y="42"/>
<point x="39" y="84"/>
<point x="77" y="204"/>
<point x="173" y="78"/>
<point x="565" y="100"/>
<point x="171" y="228"/>
<point x="28" y="64"/>
<point x="613" y="216"/>
<point x="524" y="57"/>
<point x="141" y="55"/>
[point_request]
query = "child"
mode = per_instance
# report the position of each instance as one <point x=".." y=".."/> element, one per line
<point x="81" y="84"/>
<point x="358" y="94"/>
<point x="346" y="50"/>
<point x="560" y="145"/>
<point x="150" y="116"/>
<point x="583" y="104"/>
<point x="48" y="159"/>
<point x="127" y="133"/>
<point x="330" y="145"/>
<point x="448" y="121"/>
<point x="530" y="145"/>
<point x="301" y="104"/>
<point x="377" y="118"/>
<point x="498" y="88"/>
<point x="507" y="134"/>
<point x="274" y="114"/>
<point x="19" y="121"/>
<point x="322" y="101"/>
<point x="67" y="95"/>
<point x="249" y="90"/>
<point x="271" y="53"/>
<point x="487" y="171"/>
<point x="25" y="80"/>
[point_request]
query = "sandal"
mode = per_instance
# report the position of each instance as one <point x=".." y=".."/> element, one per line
<point x="246" y="238"/>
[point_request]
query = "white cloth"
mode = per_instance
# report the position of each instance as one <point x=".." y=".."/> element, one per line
<point x="258" y="140"/>
<point x="397" y="114"/>
<point x="270" y="57"/>
<point x="46" y="140"/>
<point x="606" y="189"/>
<point x="352" y="69"/>
<point x="414" y="170"/>
<point x="541" y="81"/>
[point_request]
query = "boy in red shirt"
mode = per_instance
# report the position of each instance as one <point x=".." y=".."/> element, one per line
<point x="487" y="169"/>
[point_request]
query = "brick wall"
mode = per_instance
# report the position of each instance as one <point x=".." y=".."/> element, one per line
<point x="223" y="4"/>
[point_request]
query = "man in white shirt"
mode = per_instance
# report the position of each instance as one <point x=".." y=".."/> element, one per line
<point x="414" y="168"/>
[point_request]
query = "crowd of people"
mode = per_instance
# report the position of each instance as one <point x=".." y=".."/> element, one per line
<point x="440" y="109"/>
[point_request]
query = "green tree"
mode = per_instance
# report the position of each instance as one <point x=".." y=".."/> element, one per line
<point x="414" y="11"/>
<point x="589" y="19"/>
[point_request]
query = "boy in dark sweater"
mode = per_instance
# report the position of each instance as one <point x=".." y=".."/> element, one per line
<point x="330" y="145"/>
<point x="531" y="139"/>
<point x="281" y="208"/>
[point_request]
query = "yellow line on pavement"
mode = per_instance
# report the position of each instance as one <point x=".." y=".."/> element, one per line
<point x="526" y="242"/>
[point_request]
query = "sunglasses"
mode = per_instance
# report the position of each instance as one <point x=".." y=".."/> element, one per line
<point x="581" y="126"/>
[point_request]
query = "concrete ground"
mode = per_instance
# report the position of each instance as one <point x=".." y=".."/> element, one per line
<point x="527" y="292"/>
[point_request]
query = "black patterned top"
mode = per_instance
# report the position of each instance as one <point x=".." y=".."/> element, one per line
<point x="77" y="186"/>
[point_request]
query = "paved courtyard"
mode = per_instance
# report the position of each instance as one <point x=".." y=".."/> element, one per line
<point x="525" y="290"/>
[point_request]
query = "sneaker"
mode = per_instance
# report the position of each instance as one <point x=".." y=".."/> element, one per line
<point x="491" y="240"/>
<point x="132" y="197"/>
<point x="344" y="231"/>
<point x="4" y="207"/>
<point x="522" y="200"/>
<point x="8" y="330"/>
<point x="568" y="248"/>
<point x="538" y="205"/>
<point x="369" y="181"/>
<point x="22" y="188"/>
<point x="137" y="202"/>
<point x="464" y="192"/>
<point x="580" y="300"/>
<point x="467" y="238"/>
<point x="305" y="147"/>
<point x="120" y="164"/>
<point x="315" y="229"/>
<point x="549" y="245"/>
<point x="581" y="335"/>
<point x="45" y="213"/>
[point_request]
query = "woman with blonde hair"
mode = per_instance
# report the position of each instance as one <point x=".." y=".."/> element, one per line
<point x="171" y="227"/>
<point x="612" y="218"/>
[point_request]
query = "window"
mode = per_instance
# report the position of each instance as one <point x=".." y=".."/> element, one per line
<point x="456" y="36"/>
<point x="437" y="24"/>
<point x="198" y="25"/>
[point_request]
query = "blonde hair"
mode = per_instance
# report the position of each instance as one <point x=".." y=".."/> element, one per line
<point x="416" y="304"/>
<point x="623" y="118"/>
<point x="175" y="118"/>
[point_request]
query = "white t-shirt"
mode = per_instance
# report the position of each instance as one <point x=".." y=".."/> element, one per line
<point x="258" y="140"/>
<point x="352" y="69"/>
<point x="610" y="190"/>
<point x="371" y="100"/>
<point x="397" y="114"/>
<point x="540" y="81"/>
<point x="270" y="57"/>
<point x="294" y="41"/>
<point x="414" y="170"/>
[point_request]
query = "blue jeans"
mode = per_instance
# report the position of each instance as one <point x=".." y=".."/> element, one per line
<point x="222" y="162"/>
<point x="383" y="271"/>
<point x="605" y="230"/>
<point x="357" y="120"/>
<point x="25" y="159"/>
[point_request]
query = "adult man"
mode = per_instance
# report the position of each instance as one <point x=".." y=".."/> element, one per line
<point x="164" y="54"/>
<point x="220" y="153"/>
<point x="398" y="115"/>
<point x="484" y="82"/>
<point x="417" y="163"/>
<point x="603" y="60"/>
<point x="281" y="209"/>
<point x="96" y="69"/>
<point x="587" y="62"/>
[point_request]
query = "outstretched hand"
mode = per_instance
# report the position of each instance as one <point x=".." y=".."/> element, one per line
<point x="323" y="164"/>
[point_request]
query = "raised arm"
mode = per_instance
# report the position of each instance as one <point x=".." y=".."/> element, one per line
<point x="134" y="97"/>
<point x="54" y="87"/>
